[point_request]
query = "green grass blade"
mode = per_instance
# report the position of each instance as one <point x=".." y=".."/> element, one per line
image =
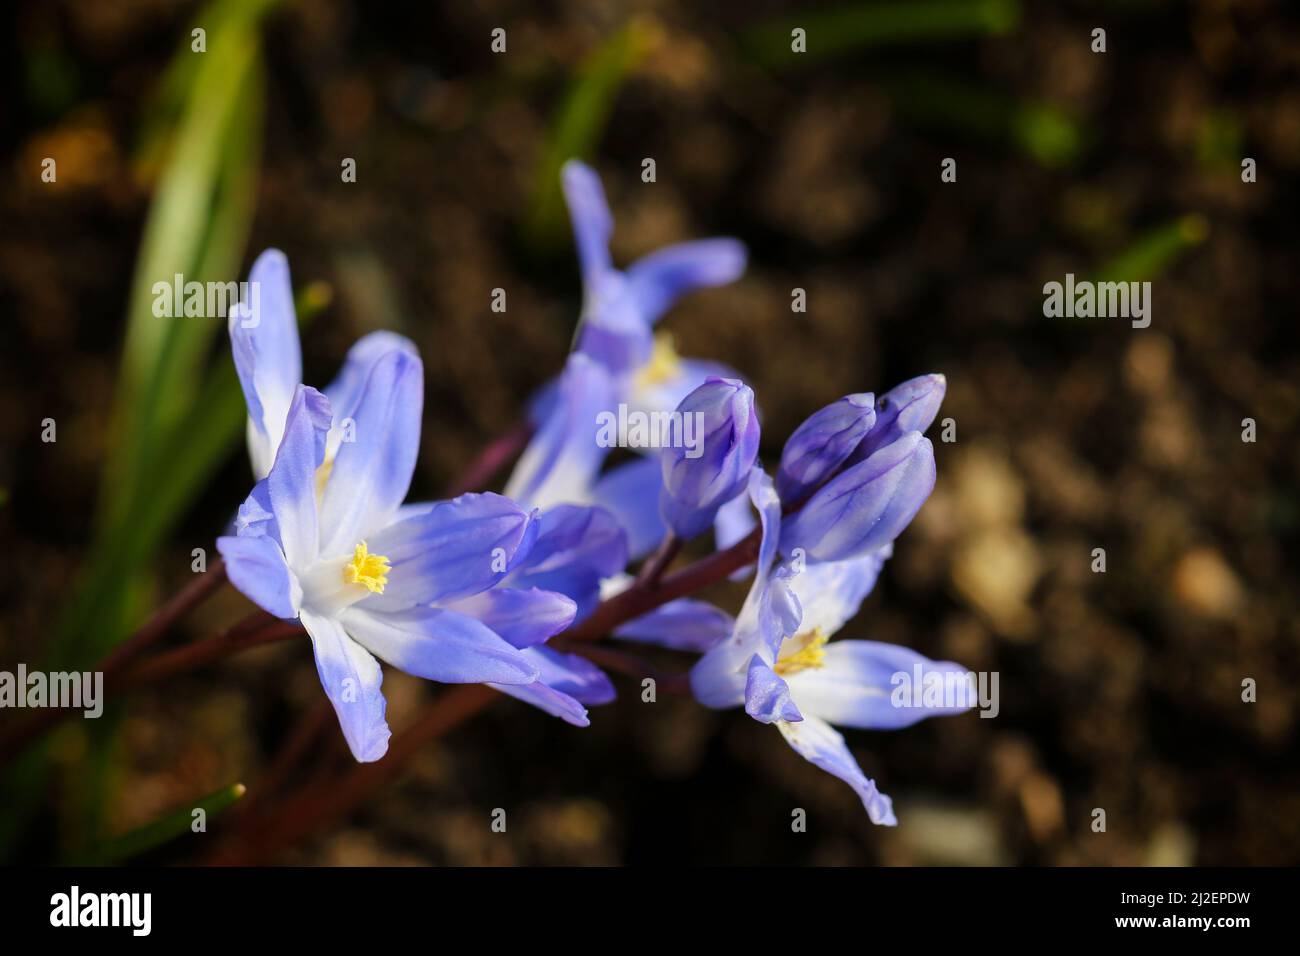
<point x="209" y="115"/>
<point x="581" y="119"/>
<point x="198" y="226"/>
<point x="177" y="238"/>
<point x="1045" y="133"/>
<point x="1148" y="256"/>
<point x="839" y="31"/>
<point x="164" y="830"/>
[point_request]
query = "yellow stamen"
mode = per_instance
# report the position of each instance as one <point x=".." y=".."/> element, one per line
<point x="368" y="570"/>
<point x="802" y="653"/>
<point x="664" y="363"/>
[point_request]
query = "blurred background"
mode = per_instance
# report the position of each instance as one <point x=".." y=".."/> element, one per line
<point x="1120" y="691"/>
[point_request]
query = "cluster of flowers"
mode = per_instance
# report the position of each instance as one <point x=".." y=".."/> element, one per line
<point x="470" y="590"/>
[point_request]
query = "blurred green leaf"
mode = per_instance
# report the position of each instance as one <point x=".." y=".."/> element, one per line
<point x="199" y="219"/>
<point x="842" y="30"/>
<point x="24" y="780"/>
<point x="52" y="78"/>
<point x="197" y="226"/>
<point x="172" y="424"/>
<point x="1044" y="132"/>
<point x="195" y="447"/>
<point x="581" y="119"/>
<point x="90" y="758"/>
<point x="161" y="831"/>
<point x="1151" y="253"/>
<point x="1220" y="140"/>
<point x="161" y="116"/>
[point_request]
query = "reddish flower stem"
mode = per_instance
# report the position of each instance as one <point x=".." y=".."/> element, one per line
<point x="261" y="628"/>
<point x="302" y="813"/>
<point x="640" y="599"/>
<point x="491" y="460"/>
<point x="295" y="747"/>
<point x="657" y="563"/>
<point x="629" y="665"/>
<point x="164" y="619"/>
<point x="320" y="803"/>
<point x="255" y="630"/>
<point x="317" y="805"/>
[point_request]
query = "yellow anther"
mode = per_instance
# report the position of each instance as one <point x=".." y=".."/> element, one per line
<point x="802" y="652"/>
<point x="664" y="363"/>
<point x="368" y="570"/>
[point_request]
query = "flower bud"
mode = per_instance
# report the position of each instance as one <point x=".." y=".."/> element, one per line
<point x="866" y="506"/>
<point x="909" y="407"/>
<point x="822" y="443"/>
<point x="714" y="450"/>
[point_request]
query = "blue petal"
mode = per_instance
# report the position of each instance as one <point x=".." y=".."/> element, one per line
<point x="291" y="485"/>
<point x="717" y="682"/>
<point x="352" y="679"/>
<point x="561" y="462"/>
<point x="880" y="686"/>
<point x="542" y="402"/>
<point x="256" y="566"/>
<point x="718" y="678"/>
<point x="630" y="492"/>
<point x="909" y="407"/>
<point x="780" y="614"/>
<point x="681" y="625"/>
<point x="651" y="395"/>
<point x="255" y="517"/>
<point x="573" y="675"/>
<point x="641" y="393"/>
<point x="822" y="443"/>
<point x="763" y="496"/>
<point x="699" y="480"/>
<point x="589" y="212"/>
<point x="721" y="677"/>
<point x="576" y="547"/>
<point x="349" y="385"/>
<point x="831" y="593"/>
<point x="767" y="696"/>
<point x="658" y="280"/>
<point x="268" y="357"/>
<point x="734" y="523"/>
<point x="819" y="743"/>
<point x="865" y="507"/>
<point x="523" y="617"/>
<point x="547" y="699"/>
<point x="371" y="474"/>
<point x="438" y="644"/>
<point x="611" y="331"/>
<point x="914" y="404"/>
<point x="565" y="682"/>
<point x="452" y="550"/>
